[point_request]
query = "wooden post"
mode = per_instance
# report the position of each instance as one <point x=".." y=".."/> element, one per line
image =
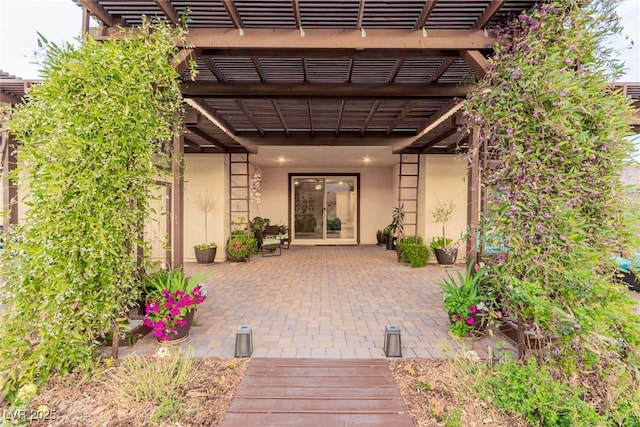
<point x="177" y="169"/>
<point x="473" y="197"/>
<point x="9" y="187"/>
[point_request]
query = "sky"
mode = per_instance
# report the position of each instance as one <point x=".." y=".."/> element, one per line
<point x="61" y="20"/>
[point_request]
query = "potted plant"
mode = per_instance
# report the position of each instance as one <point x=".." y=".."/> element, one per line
<point x="446" y="250"/>
<point x="463" y="301"/>
<point x="380" y="237"/>
<point x="240" y="247"/>
<point x="205" y="252"/>
<point x="171" y="305"/>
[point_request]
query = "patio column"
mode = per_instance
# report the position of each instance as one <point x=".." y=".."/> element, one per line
<point x="473" y="191"/>
<point x="9" y="187"/>
<point x="177" y="169"/>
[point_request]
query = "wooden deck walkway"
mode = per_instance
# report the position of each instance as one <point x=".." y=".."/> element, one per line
<point x="317" y="392"/>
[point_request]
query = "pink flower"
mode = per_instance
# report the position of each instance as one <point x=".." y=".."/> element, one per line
<point x="473" y="309"/>
<point x="175" y="311"/>
<point x="458" y="318"/>
<point x="470" y="320"/>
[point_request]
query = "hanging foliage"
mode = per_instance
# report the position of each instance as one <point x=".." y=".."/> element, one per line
<point x="88" y="135"/>
<point x="554" y="132"/>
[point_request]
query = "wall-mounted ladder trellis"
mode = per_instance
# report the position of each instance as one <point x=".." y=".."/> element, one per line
<point x="408" y="178"/>
<point x="239" y="191"/>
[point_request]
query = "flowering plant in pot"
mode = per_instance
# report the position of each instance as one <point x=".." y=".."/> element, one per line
<point x="172" y="303"/>
<point x="446" y="250"/>
<point x="463" y="301"/>
<point x="240" y="246"/>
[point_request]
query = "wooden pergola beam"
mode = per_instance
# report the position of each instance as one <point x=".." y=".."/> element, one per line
<point x="492" y="8"/>
<point x="441" y="69"/>
<point x="221" y="124"/>
<point x="182" y="59"/>
<point x="360" y="15"/>
<point x="326" y="139"/>
<point x="230" y="6"/>
<point x="372" y="113"/>
<point x="424" y="15"/>
<point x="280" y="116"/>
<point x="322" y="90"/>
<point x="296" y="12"/>
<point x="476" y="60"/>
<point x="328" y="53"/>
<point x="322" y="38"/>
<point x="249" y="116"/>
<point x="438" y="139"/>
<point x="196" y="131"/>
<point x="444" y="113"/>
<point x="192" y="144"/>
<point x="98" y="11"/>
<point x="169" y="11"/>
<point x="339" y="124"/>
<point x="406" y="110"/>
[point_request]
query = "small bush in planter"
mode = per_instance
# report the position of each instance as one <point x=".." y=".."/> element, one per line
<point x="241" y="246"/>
<point x="414" y="252"/>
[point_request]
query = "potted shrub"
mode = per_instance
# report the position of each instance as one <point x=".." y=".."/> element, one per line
<point x="172" y="304"/>
<point x="240" y="247"/>
<point x="380" y="237"/>
<point x="413" y="251"/>
<point x="463" y="301"/>
<point x="205" y="252"/>
<point x="446" y="250"/>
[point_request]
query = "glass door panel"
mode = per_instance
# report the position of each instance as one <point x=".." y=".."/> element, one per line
<point x="324" y="209"/>
<point x="340" y="208"/>
<point x="308" y="208"/>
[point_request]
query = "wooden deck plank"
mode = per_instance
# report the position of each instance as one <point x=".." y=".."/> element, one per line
<point x="321" y="371"/>
<point x="321" y="406"/>
<point x="315" y="420"/>
<point x="311" y="381"/>
<point x="381" y="392"/>
<point x="317" y="362"/>
<point x="317" y="392"/>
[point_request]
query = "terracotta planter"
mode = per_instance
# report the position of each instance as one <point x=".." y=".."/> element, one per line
<point x="446" y="257"/>
<point x="206" y="256"/>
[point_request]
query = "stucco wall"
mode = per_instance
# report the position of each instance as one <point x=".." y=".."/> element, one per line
<point x="444" y="179"/>
<point x="376" y="196"/>
<point x="204" y="176"/>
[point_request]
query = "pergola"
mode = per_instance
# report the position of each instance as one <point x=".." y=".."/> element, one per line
<point x="309" y="72"/>
<point x="303" y="73"/>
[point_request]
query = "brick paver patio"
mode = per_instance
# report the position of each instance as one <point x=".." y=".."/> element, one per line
<point x="320" y="302"/>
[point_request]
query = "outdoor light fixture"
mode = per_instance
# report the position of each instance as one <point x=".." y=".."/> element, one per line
<point x="244" y="341"/>
<point x="392" y="341"/>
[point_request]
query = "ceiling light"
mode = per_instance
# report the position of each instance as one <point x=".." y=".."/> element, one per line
<point x="281" y="159"/>
<point x="366" y="159"/>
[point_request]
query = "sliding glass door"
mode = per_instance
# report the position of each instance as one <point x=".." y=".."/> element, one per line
<point x="324" y="209"/>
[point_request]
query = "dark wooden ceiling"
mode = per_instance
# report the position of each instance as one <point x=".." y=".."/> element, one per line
<point x="324" y="72"/>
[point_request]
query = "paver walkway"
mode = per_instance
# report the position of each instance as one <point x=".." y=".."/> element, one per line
<point x="320" y="302"/>
<point x="317" y="392"/>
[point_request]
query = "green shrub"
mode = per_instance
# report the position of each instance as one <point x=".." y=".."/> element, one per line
<point x="414" y="252"/>
<point x="554" y="130"/>
<point x="88" y="139"/>
<point x="530" y="390"/>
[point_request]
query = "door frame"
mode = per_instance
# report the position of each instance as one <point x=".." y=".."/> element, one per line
<point x="356" y="175"/>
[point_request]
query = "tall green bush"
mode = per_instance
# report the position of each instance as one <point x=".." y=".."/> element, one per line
<point x="88" y="136"/>
<point x="553" y="130"/>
